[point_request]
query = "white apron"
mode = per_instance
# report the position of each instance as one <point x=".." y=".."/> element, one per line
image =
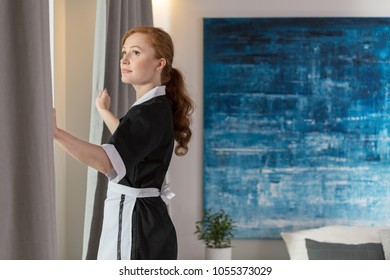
<point x="115" y="241"/>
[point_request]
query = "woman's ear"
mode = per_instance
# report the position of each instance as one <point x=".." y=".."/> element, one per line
<point x="161" y="64"/>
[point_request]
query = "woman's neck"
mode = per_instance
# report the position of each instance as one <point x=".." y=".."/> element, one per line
<point x="141" y="90"/>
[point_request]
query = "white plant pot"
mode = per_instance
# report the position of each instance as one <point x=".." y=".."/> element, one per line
<point x="218" y="253"/>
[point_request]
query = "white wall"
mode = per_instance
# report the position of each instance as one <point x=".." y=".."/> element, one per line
<point x="74" y="29"/>
<point x="59" y="103"/>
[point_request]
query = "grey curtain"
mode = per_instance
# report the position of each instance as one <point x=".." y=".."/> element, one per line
<point x="113" y="19"/>
<point x="27" y="186"/>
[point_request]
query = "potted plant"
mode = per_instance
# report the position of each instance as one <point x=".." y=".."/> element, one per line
<point x="216" y="231"/>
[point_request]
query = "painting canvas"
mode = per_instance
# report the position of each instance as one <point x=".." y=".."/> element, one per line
<point x="296" y="122"/>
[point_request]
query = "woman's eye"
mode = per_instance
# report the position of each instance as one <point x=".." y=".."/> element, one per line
<point x="137" y="53"/>
<point x="123" y="54"/>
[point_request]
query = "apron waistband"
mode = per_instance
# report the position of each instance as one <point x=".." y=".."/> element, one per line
<point x="165" y="193"/>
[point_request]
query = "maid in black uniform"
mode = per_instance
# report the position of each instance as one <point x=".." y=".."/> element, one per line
<point x="136" y="223"/>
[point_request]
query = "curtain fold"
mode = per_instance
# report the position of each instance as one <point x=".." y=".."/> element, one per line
<point x="27" y="187"/>
<point x="113" y="19"/>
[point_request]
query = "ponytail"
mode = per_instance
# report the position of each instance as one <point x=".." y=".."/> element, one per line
<point x="182" y="107"/>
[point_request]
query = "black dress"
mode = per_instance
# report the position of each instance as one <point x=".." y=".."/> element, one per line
<point x="140" y="151"/>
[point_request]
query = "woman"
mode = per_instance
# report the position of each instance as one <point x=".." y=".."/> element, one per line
<point x="136" y="224"/>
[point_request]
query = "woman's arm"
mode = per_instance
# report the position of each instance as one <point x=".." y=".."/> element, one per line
<point x="103" y="106"/>
<point x="85" y="152"/>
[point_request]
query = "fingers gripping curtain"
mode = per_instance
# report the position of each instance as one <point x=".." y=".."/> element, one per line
<point x="113" y="19"/>
<point x="27" y="187"/>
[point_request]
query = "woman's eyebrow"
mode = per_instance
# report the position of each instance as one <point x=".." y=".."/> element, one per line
<point x="136" y="47"/>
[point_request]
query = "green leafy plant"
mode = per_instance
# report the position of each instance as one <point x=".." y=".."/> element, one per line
<point x="215" y="229"/>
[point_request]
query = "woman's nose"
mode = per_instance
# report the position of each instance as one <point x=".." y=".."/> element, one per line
<point x="124" y="59"/>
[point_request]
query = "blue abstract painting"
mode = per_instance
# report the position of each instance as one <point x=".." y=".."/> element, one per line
<point x="296" y="122"/>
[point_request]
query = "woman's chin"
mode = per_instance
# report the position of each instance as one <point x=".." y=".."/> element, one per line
<point x="125" y="80"/>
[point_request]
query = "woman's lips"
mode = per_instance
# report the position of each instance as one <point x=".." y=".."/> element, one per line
<point x="125" y="71"/>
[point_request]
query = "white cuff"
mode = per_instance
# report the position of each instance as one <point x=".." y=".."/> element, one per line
<point x="116" y="162"/>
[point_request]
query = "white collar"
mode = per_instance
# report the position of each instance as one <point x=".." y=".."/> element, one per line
<point x="154" y="92"/>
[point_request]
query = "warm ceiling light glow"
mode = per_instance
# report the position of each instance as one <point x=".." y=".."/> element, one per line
<point x="161" y="13"/>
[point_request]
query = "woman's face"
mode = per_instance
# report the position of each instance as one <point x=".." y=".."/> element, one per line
<point x="138" y="63"/>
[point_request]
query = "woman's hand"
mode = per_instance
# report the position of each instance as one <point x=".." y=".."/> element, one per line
<point x="103" y="101"/>
<point x="55" y="128"/>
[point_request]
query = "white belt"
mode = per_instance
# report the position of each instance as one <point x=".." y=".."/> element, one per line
<point x="165" y="193"/>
